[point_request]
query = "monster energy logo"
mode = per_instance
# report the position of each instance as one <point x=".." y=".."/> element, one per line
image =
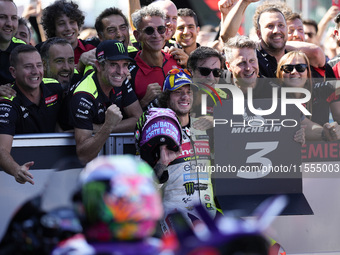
<point x="120" y="47"/>
<point x="189" y="188"/>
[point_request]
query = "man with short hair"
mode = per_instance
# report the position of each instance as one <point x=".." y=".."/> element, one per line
<point x="152" y="64"/>
<point x="112" y="24"/>
<point x="8" y="28"/>
<point x="34" y="109"/>
<point x="310" y="28"/>
<point x="102" y="98"/>
<point x="58" y="58"/>
<point x="24" y="32"/>
<point x="187" y="30"/>
<point x="295" y="27"/>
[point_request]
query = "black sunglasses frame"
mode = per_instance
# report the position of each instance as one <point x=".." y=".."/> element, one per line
<point x="289" y="68"/>
<point x="205" y="71"/>
<point x="151" y="30"/>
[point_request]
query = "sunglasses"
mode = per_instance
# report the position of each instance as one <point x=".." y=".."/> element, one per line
<point x="150" y="30"/>
<point x="205" y="71"/>
<point x="289" y="68"/>
<point x="177" y="70"/>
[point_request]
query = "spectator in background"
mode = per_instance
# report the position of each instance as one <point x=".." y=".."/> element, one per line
<point x="310" y="28"/>
<point x="24" y="32"/>
<point x="64" y="19"/>
<point x="187" y="30"/>
<point x="152" y="64"/>
<point x="8" y="28"/>
<point x="295" y="27"/>
<point x="34" y="109"/>
<point x="170" y="10"/>
<point x="271" y="28"/>
<point x="112" y="24"/>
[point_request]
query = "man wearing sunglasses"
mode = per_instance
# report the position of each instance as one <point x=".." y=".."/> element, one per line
<point x="152" y="64"/>
<point x="205" y="64"/>
<point x="241" y="60"/>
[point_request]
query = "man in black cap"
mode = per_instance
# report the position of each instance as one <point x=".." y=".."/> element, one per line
<point x="103" y="98"/>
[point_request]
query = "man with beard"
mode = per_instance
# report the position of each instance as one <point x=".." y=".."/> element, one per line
<point x="271" y="28"/>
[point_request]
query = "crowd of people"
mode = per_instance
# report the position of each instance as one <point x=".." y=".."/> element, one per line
<point x="103" y="84"/>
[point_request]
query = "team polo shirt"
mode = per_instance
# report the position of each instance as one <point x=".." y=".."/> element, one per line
<point x="88" y="103"/>
<point x="142" y="74"/>
<point x="18" y="115"/>
<point x="5" y="75"/>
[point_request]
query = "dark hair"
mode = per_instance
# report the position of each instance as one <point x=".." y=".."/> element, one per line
<point x="13" y="58"/>
<point x="337" y="20"/>
<point x="269" y="9"/>
<point x="44" y="50"/>
<point x="203" y="52"/>
<point x="313" y="23"/>
<point x="55" y="10"/>
<point x="23" y="21"/>
<point x="186" y="12"/>
<point x="106" y="13"/>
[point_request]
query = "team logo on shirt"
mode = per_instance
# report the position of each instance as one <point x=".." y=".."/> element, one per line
<point x="51" y="100"/>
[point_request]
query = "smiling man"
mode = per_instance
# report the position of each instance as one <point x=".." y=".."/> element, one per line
<point x="64" y="19"/>
<point x="34" y="109"/>
<point x="103" y="98"/>
<point x="271" y="28"/>
<point x="58" y="58"/>
<point x="187" y="30"/>
<point x="8" y="28"/>
<point x="152" y="64"/>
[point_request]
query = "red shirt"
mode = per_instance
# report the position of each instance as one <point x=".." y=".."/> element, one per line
<point x="142" y="74"/>
<point x="82" y="47"/>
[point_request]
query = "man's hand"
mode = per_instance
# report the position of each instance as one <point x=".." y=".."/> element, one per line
<point x="331" y="131"/>
<point x="152" y="91"/>
<point x="88" y="58"/>
<point x="7" y="91"/>
<point x="225" y="5"/>
<point x="23" y="176"/>
<point x="179" y="55"/>
<point x="113" y="115"/>
<point x="204" y="122"/>
<point x="167" y="156"/>
<point x="299" y="136"/>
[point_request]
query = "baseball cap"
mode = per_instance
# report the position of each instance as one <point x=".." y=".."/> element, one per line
<point x="112" y="50"/>
<point x="177" y="78"/>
